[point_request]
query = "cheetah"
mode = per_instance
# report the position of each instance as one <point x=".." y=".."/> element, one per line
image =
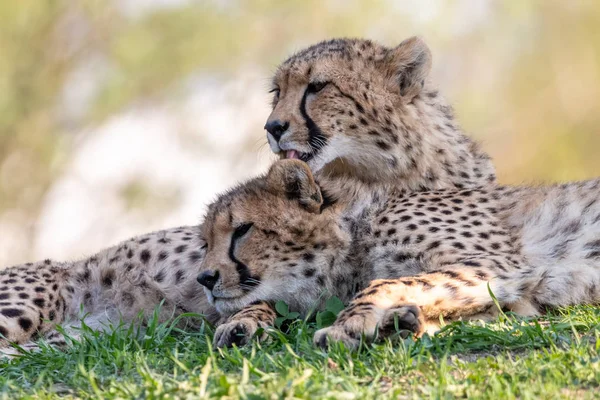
<point x="398" y="258"/>
<point x="117" y="285"/>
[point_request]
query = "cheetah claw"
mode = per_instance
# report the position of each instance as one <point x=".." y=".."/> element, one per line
<point x="403" y="319"/>
<point x="237" y="331"/>
<point x="326" y="336"/>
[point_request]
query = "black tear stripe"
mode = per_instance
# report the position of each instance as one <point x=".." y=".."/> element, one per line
<point x="241" y="268"/>
<point x="316" y="139"/>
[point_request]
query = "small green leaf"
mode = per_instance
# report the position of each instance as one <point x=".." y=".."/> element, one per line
<point x="293" y="315"/>
<point x="279" y="321"/>
<point x="325" y="319"/>
<point x="334" y="305"/>
<point x="282" y="308"/>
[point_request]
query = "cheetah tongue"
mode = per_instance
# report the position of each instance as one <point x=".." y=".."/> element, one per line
<point x="292" y="154"/>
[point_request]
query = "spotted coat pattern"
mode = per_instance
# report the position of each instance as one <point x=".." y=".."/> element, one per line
<point x="119" y="284"/>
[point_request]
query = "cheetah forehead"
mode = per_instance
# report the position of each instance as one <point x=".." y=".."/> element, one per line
<point x="251" y="202"/>
<point x="342" y="48"/>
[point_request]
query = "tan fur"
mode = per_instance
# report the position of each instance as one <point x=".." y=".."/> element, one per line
<point x="282" y="228"/>
<point x="416" y="256"/>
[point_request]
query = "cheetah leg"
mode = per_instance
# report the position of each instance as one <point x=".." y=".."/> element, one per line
<point x="20" y="324"/>
<point x="49" y="334"/>
<point x="416" y="303"/>
<point x="52" y="338"/>
<point x="240" y="327"/>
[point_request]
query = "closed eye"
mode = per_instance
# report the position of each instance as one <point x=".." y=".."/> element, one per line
<point x="316" y="87"/>
<point x="241" y="230"/>
<point x="275" y="92"/>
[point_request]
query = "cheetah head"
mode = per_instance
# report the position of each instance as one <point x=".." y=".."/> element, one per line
<point x="348" y="106"/>
<point x="272" y="238"/>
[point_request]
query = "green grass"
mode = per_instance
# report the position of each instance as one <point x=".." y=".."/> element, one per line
<point x="555" y="357"/>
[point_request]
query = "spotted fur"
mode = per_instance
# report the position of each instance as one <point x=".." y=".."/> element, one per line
<point x="400" y="257"/>
<point x="116" y="285"/>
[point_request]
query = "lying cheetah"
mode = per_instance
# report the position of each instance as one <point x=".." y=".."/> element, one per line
<point x="117" y="284"/>
<point x="396" y="256"/>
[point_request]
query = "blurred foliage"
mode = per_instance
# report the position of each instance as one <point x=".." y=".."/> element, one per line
<point x="31" y="73"/>
<point x="138" y="195"/>
<point x="524" y="76"/>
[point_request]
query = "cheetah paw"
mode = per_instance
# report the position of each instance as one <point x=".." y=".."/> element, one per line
<point x="325" y="336"/>
<point x="237" y="331"/>
<point x="404" y="319"/>
<point x="15" y="352"/>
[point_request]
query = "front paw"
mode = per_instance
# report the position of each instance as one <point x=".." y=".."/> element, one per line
<point x="350" y="326"/>
<point x="237" y="331"/>
<point x="325" y="336"/>
<point x="371" y="324"/>
<point x="404" y="320"/>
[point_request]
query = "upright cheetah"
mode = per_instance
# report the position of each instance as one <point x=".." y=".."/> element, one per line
<point x="352" y="108"/>
<point x="398" y="256"/>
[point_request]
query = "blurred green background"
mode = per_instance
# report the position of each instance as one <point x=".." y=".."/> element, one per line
<point x="122" y="116"/>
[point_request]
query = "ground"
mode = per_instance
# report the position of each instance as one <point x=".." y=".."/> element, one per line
<point x="555" y="357"/>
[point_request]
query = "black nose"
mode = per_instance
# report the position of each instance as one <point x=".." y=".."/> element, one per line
<point x="276" y="128"/>
<point x="208" y="279"/>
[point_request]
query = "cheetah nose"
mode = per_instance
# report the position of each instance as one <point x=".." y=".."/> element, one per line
<point x="208" y="279"/>
<point x="276" y="128"/>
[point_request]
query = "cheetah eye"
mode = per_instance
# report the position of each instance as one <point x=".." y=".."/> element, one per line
<point x="241" y="230"/>
<point x="316" y="87"/>
<point x="204" y="246"/>
<point x="275" y="91"/>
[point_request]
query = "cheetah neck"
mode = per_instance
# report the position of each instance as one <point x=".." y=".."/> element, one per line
<point x="440" y="154"/>
<point x="355" y="217"/>
<point x="432" y="153"/>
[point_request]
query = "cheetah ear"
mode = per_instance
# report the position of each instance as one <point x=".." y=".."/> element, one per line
<point x="409" y="64"/>
<point x="293" y="179"/>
